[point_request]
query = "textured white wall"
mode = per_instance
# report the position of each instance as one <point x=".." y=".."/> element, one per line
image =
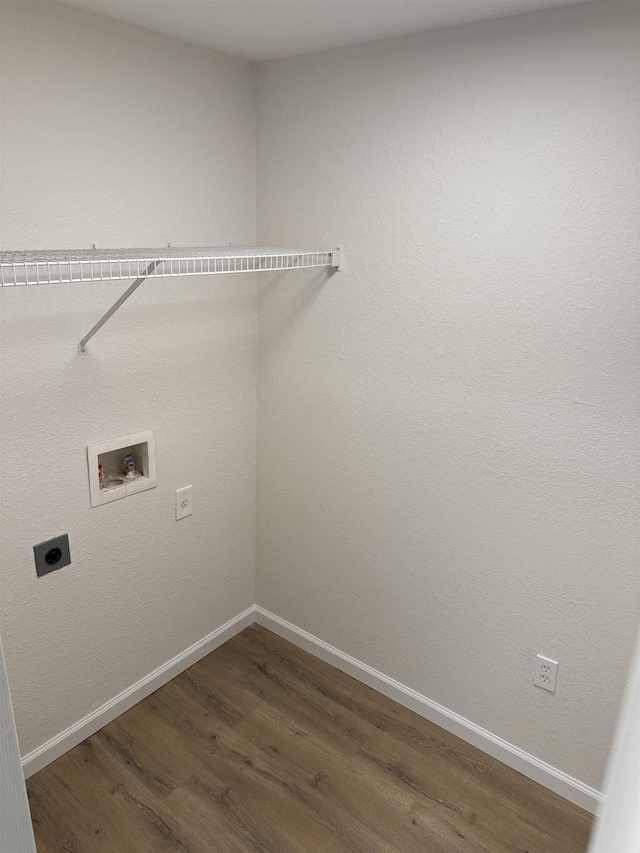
<point x="16" y="833"/>
<point x="618" y="825"/>
<point x="448" y="429"/>
<point x="118" y="136"/>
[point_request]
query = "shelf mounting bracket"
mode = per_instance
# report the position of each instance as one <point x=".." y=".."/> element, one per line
<point x="82" y="349"/>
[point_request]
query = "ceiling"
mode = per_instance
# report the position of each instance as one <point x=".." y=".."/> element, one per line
<point x="258" y="30"/>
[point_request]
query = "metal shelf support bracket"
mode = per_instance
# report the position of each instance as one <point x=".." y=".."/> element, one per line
<point x="82" y="348"/>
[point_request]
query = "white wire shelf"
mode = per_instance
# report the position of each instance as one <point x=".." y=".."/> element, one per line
<point x="83" y="265"/>
<point x="70" y="266"/>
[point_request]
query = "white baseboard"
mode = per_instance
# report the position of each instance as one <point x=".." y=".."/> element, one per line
<point x="75" y="734"/>
<point x="534" y="768"/>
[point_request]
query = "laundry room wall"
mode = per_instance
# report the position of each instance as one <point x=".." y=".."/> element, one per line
<point x="117" y="136"/>
<point x="448" y="427"/>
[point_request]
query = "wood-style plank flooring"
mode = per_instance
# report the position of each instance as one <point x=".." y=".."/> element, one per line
<point x="261" y="747"/>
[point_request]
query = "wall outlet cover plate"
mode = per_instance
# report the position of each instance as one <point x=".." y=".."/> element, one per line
<point x="546" y="673"/>
<point x="184" y="502"/>
<point x="52" y="554"/>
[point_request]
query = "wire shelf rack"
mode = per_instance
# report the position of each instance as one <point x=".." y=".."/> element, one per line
<point x="70" y="266"/>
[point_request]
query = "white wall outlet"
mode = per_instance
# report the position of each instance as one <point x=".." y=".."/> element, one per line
<point x="184" y="505"/>
<point x="546" y="673"/>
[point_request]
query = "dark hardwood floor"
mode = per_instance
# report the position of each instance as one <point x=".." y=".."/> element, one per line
<point x="262" y="747"/>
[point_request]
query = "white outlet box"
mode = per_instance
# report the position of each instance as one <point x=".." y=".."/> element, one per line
<point x="546" y="673"/>
<point x="184" y="502"/>
<point x="109" y="455"/>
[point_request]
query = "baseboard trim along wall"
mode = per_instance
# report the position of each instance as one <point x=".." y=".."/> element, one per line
<point x="75" y="734"/>
<point x="555" y="780"/>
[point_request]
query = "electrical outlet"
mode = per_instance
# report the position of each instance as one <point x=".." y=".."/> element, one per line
<point x="184" y="505"/>
<point x="51" y="555"/>
<point x="546" y="673"/>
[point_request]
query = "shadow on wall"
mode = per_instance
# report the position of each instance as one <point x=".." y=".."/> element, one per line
<point x="300" y="293"/>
